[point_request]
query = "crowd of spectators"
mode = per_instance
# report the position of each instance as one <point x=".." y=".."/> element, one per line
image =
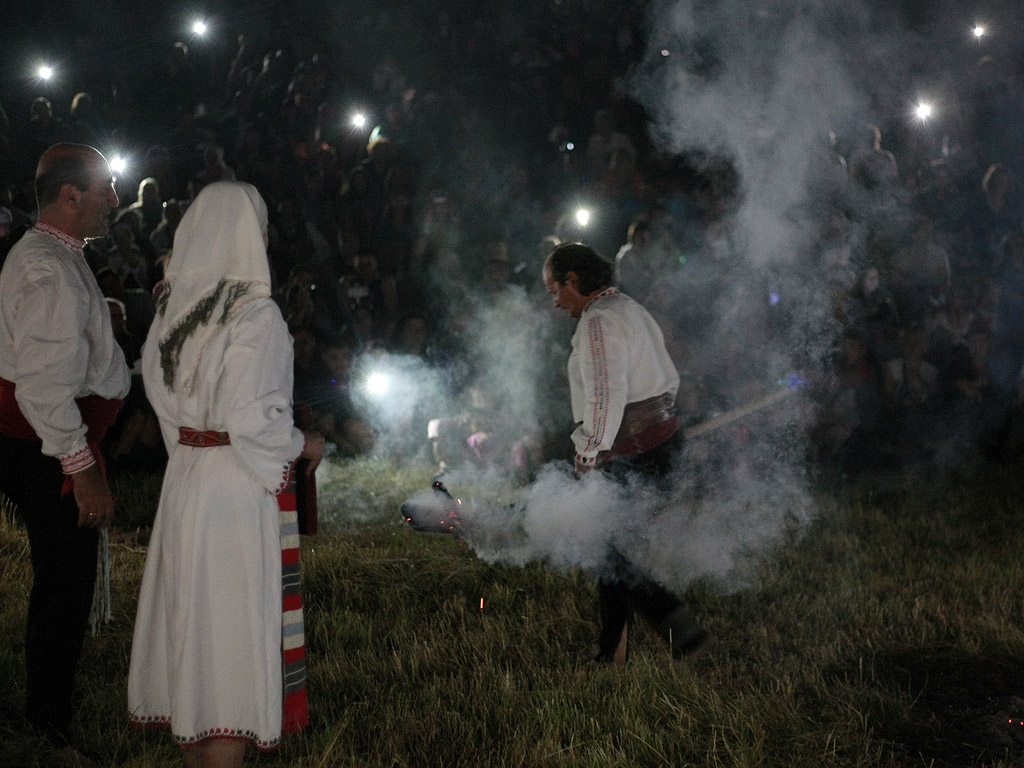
<point x="386" y="237"/>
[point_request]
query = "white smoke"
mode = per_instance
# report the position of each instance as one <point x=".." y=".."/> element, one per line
<point x="759" y="87"/>
<point x="763" y="91"/>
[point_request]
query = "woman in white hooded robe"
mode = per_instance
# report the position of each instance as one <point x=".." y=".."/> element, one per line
<point x="217" y="653"/>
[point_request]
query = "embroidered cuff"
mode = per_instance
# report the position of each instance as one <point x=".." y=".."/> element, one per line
<point x="288" y="469"/>
<point x="77" y="461"/>
<point x="286" y="478"/>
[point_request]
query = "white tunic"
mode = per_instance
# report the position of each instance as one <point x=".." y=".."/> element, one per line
<point x="206" y="654"/>
<point x="618" y="357"/>
<point x="56" y="341"/>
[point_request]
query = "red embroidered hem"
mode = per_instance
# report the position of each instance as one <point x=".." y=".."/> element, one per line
<point x="186" y="742"/>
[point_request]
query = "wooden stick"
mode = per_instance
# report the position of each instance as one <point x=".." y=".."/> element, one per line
<point x="722" y="419"/>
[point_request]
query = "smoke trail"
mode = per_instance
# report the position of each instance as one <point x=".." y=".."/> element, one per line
<point x="762" y="90"/>
<point x="511" y="341"/>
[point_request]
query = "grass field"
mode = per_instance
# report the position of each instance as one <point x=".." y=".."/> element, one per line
<point x="889" y="635"/>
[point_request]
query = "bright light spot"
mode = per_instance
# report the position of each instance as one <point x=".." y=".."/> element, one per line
<point x="979" y="31"/>
<point x="118" y="164"/>
<point x="358" y="119"/>
<point x="583" y="217"/>
<point x="923" y="111"/>
<point x="377" y="384"/>
<point x="570" y="146"/>
<point x="45" y="72"/>
<point x="664" y="52"/>
<point x="199" y="27"/>
<point x="773" y="298"/>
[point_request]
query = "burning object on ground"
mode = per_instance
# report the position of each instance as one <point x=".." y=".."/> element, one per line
<point x="437" y="511"/>
<point x="433" y="511"/>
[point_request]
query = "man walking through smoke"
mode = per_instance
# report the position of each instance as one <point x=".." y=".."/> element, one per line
<point x="622" y="384"/>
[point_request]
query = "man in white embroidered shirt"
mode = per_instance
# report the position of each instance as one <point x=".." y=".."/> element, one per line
<point x="62" y="376"/>
<point x="623" y="384"/>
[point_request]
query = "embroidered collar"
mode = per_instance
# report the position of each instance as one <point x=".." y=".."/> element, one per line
<point x="73" y="243"/>
<point x="609" y="291"/>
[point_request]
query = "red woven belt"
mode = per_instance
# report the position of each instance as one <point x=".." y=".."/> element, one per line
<point x="198" y="438"/>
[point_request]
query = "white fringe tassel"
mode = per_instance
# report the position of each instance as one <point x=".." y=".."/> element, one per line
<point x="101" y="604"/>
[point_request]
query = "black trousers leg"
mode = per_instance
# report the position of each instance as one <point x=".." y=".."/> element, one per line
<point x="64" y="574"/>
<point x="616" y="611"/>
<point x="624" y="592"/>
<point x="650" y="599"/>
<point x="628" y="588"/>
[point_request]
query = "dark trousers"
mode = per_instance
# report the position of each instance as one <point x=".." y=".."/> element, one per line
<point x="64" y="575"/>
<point x="628" y="591"/>
<point x="627" y="588"/>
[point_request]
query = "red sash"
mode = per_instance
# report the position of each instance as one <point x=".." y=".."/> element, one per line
<point x="98" y="413"/>
<point x="646" y="424"/>
<point x="641" y="442"/>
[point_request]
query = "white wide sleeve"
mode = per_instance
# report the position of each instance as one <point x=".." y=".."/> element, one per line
<point x="51" y="355"/>
<point x="603" y="360"/>
<point x="256" y="385"/>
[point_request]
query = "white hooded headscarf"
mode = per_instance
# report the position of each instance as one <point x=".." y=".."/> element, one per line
<point x="218" y="263"/>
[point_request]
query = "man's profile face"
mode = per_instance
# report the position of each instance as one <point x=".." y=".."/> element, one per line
<point x="566" y="294"/>
<point x="96" y="202"/>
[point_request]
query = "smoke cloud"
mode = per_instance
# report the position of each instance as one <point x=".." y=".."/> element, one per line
<point x="762" y="90"/>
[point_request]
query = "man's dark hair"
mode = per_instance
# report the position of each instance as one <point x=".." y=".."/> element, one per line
<point x="593" y="272"/>
<point x="70" y="167"/>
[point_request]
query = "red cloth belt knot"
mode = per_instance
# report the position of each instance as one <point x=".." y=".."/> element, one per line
<point x="199" y="438"/>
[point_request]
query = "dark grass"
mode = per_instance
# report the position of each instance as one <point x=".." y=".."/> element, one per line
<point x="888" y="634"/>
